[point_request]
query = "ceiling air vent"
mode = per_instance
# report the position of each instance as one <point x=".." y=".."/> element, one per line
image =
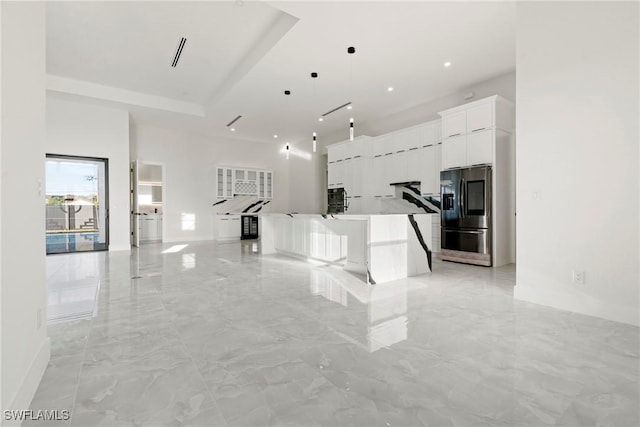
<point x="233" y="121"/>
<point x="176" y="57"/>
<point x="336" y="109"/>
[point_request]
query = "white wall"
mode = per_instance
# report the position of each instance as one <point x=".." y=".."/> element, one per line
<point x="79" y="129"/>
<point x="577" y="156"/>
<point x="24" y="343"/>
<point x="189" y="162"/>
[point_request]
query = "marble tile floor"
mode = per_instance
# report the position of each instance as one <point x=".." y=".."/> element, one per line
<point x="207" y="334"/>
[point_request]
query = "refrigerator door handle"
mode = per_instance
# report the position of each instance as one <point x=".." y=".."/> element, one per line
<point x="461" y="198"/>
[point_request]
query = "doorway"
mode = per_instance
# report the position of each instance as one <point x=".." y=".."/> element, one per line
<point x="77" y="204"/>
<point x="147" y="203"/>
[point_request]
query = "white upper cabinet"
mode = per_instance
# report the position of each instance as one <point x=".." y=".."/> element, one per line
<point x="335" y="153"/>
<point x="454" y="152"/>
<point x="469" y="131"/>
<point x="236" y="181"/>
<point x="454" y="124"/>
<point x="480" y="147"/>
<point x="480" y="118"/>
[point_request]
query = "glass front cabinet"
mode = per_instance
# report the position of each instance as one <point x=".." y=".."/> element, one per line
<point x="229" y="179"/>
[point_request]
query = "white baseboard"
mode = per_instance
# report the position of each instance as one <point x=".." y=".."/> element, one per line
<point x="114" y="248"/>
<point x="577" y="303"/>
<point x="31" y="382"/>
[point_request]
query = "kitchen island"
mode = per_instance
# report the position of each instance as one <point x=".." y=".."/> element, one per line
<point x="381" y="247"/>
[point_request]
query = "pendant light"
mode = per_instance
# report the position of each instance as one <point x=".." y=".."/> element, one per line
<point x="287" y="147"/>
<point x="351" y="50"/>
<point x="314" y="76"/>
<point x="351" y="129"/>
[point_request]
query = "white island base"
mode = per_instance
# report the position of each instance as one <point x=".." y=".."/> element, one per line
<point x="382" y="247"/>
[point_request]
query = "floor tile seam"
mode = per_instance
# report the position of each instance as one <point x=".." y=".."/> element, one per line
<point x="84" y="356"/>
<point x="185" y="349"/>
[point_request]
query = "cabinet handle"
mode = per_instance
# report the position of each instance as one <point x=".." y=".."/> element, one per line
<point x="414" y="148"/>
<point x="476" y="130"/>
<point x="455" y="134"/>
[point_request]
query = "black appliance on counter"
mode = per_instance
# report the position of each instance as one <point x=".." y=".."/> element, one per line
<point x="336" y="199"/>
<point x="465" y="215"/>
<point x="249" y="227"/>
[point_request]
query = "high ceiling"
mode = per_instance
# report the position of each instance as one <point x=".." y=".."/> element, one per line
<point x="241" y="56"/>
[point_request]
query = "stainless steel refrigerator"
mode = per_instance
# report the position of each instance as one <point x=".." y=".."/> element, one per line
<point x="465" y="215"/>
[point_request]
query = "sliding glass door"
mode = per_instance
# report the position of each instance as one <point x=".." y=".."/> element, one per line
<point x="77" y="211"/>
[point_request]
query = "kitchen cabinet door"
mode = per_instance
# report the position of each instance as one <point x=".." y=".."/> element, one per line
<point x="339" y="173"/>
<point x="480" y="117"/>
<point x="397" y="169"/>
<point x="334" y="170"/>
<point x="413" y="138"/>
<point x="261" y="184"/>
<point x="437" y="157"/>
<point x="427" y="181"/>
<point x="149" y="229"/>
<point x="354" y="205"/>
<point x="427" y="135"/>
<point x="454" y="124"/>
<point x="376" y="189"/>
<point x="349" y="182"/>
<point x="269" y="185"/>
<point x="355" y="171"/>
<point x="454" y="152"/>
<point x="228" y="183"/>
<point x="229" y="227"/>
<point x="220" y="182"/>
<point x="386" y="176"/>
<point x="414" y="164"/>
<point x="480" y="147"/>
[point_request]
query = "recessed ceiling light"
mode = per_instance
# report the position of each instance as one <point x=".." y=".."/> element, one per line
<point x="320" y="119"/>
<point x="349" y="107"/>
<point x="275" y="136"/>
<point x="233" y="129"/>
<point x="447" y="64"/>
<point x="390" y="89"/>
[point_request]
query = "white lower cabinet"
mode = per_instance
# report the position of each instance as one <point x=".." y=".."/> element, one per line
<point x="229" y="227"/>
<point x="150" y="228"/>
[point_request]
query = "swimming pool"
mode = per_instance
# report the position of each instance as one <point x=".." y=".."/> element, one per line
<point x="58" y="243"/>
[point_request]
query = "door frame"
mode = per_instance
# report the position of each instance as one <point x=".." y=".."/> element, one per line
<point x="106" y="194"/>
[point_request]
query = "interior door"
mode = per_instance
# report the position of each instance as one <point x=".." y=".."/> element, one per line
<point x="133" y="202"/>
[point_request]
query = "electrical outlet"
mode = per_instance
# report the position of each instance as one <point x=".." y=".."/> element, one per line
<point x="577" y="277"/>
